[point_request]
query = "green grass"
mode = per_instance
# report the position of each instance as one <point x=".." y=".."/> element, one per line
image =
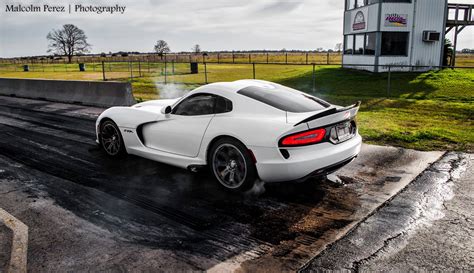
<point x="424" y="111"/>
<point x="148" y="87"/>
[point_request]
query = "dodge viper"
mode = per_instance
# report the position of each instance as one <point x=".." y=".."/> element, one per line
<point x="242" y="131"/>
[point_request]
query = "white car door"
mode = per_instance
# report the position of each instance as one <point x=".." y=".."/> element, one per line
<point x="183" y="130"/>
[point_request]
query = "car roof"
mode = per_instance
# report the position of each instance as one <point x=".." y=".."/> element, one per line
<point x="224" y="88"/>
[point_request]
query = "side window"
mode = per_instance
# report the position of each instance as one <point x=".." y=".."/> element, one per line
<point x="223" y="105"/>
<point x="196" y="106"/>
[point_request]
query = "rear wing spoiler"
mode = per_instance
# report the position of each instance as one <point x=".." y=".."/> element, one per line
<point x="350" y="110"/>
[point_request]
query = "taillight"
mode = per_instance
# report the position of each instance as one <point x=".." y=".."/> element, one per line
<point x="304" y="138"/>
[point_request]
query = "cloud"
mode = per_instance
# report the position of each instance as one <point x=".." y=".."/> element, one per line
<point x="279" y="7"/>
<point x="215" y="25"/>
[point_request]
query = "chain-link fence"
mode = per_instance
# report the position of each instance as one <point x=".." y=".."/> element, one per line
<point x="207" y="57"/>
<point x="313" y="77"/>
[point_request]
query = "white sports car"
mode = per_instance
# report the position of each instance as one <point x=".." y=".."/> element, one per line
<point x="242" y="130"/>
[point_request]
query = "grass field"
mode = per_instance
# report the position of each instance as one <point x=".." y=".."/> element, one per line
<point x="463" y="59"/>
<point x="211" y="57"/>
<point x="425" y="111"/>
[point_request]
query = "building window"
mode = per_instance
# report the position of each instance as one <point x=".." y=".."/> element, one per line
<point x="397" y="1"/>
<point x="348" y="44"/>
<point x="350" y="4"/>
<point x="359" y="44"/>
<point x="395" y="43"/>
<point x="370" y="42"/>
<point x="353" y="4"/>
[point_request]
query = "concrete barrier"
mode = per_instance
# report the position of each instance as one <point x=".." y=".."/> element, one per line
<point x="80" y="92"/>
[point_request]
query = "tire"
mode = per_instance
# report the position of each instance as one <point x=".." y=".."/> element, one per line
<point x="232" y="165"/>
<point x="111" y="139"/>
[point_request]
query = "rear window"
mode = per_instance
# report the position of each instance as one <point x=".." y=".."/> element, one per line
<point x="284" y="99"/>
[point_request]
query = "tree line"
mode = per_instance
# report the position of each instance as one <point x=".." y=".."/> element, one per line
<point x="69" y="40"/>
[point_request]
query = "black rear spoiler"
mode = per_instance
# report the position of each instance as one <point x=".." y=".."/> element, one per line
<point x="328" y="112"/>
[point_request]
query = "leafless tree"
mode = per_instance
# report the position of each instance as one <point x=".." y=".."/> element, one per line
<point x="161" y="47"/>
<point x="196" y="48"/>
<point x="68" y="41"/>
<point x="338" y="47"/>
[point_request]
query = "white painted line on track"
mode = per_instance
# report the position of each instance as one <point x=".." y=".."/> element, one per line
<point x="18" y="256"/>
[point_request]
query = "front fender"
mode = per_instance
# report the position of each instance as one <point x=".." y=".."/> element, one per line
<point x="128" y="117"/>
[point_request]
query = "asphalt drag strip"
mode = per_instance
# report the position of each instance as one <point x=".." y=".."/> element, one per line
<point x="426" y="227"/>
<point x="86" y="212"/>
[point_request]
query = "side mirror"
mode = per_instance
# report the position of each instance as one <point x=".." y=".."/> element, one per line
<point x="166" y="110"/>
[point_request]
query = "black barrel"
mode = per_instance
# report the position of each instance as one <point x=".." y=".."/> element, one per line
<point x="82" y="67"/>
<point x="194" y="68"/>
<point x="26" y="68"/>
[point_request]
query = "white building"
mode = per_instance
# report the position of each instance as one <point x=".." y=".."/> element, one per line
<point x="379" y="33"/>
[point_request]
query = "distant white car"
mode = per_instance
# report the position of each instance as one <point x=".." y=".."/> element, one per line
<point x="242" y="130"/>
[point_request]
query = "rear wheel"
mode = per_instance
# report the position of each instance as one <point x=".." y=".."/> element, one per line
<point x="111" y="139"/>
<point x="232" y="165"/>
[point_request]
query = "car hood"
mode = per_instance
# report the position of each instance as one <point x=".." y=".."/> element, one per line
<point x="154" y="105"/>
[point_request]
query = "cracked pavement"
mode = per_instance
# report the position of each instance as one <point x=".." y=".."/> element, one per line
<point x="428" y="226"/>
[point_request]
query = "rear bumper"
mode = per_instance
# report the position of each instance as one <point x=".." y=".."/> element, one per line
<point x="327" y="170"/>
<point x="305" y="161"/>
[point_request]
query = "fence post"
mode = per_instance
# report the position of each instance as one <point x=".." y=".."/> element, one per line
<point x="253" y="64"/>
<point x="267" y="57"/>
<point x="314" y="78"/>
<point x="327" y="58"/>
<point x="233" y="58"/>
<point x="205" y="72"/>
<point x="130" y="64"/>
<point x="218" y="58"/>
<point x="306" y="57"/>
<point x="139" y="68"/>
<point x="389" y="81"/>
<point x="103" y="71"/>
<point x="166" y="72"/>
<point x="250" y="58"/>
<point x="286" y="57"/>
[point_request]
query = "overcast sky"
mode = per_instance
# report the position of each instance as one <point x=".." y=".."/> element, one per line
<point x="215" y="25"/>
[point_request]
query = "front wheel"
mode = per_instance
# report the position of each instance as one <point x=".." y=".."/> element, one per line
<point x="111" y="139"/>
<point x="232" y="165"/>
